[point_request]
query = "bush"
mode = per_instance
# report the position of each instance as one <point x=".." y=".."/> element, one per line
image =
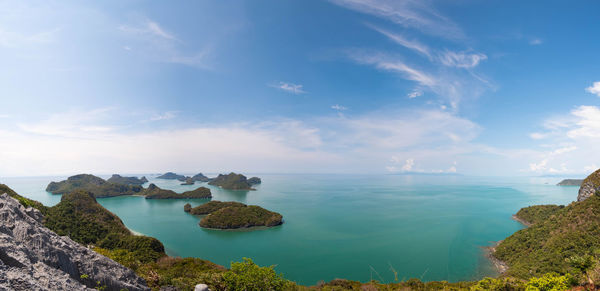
<point x="248" y="276"/>
<point x="550" y="282"/>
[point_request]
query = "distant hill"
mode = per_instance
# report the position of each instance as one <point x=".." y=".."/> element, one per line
<point x="570" y="182"/>
<point x="118" y="179"/>
<point x="154" y="192"/>
<point x="171" y="176"/>
<point x="233" y="181"/>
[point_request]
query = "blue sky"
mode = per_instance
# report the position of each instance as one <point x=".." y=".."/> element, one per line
<point x="341" y="86"/>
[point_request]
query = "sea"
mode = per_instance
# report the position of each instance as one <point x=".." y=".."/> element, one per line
<point x="359" y="227"/>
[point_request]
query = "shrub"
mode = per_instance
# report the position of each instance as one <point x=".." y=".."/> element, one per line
<point x="248" y="276"/>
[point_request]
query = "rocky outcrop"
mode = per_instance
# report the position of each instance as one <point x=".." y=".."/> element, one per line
<point x="570" y="182"/>
<point x="32" y="257"/>
<point x="589" y="186"/>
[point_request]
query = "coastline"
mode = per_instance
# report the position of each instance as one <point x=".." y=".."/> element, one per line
<point x="522" y="221"/>
<point x="500" y="266"/>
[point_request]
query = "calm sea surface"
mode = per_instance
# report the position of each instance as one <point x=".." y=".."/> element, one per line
<point x="358" y="227"/>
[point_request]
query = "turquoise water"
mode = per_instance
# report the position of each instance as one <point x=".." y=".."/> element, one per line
<point x="345" y="226"/>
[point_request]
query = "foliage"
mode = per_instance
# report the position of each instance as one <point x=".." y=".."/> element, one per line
<point x="183" y="273"/>
<point x="213" y="206"/>
<point x="231" y="181"/>
<point x="95" y="185"/>
<point x="24" y="201"/>
<point x="537" y="213"/>
<point x="240" y="217"/>
<point x="254" y="181"/>
<point x="498" y="284"/>
<point x="155" y="192"/>
<point x="250" y="277"/>
<point x="550" y="282"/>
<point x="544" y="247"/>
<point x="118" y="179"/>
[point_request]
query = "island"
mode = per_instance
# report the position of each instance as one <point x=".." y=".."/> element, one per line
<point x="99" y="188"/>
<point x="118" y="179"/>
<point x="570" y="182"/>
<point x="188" y="181"/>
<point x="234" y="215"/>
<point x="210" y="207"/>
<point x="200" y="178"/>
<point x="155" y="192"/>
<point x="233" y="181"/>
<point x="171" y="176"/>
<point x="93" y="184"/>
<point x="254" y="181"/>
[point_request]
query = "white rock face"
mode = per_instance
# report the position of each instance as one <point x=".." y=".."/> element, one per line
<point x="201" y="287"/>
<point x="32" y="257"/>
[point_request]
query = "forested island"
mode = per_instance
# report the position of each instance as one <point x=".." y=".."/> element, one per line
<point x="118" y="179"/>
<point x="570" y="182"/>
<point x="233" y="215"/>
<point x="233" y="181"/>
<point x="102" y="188"/>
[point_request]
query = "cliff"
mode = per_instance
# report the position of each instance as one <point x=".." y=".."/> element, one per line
<point x="32" y="257"/>
<point x="589" y="186"/>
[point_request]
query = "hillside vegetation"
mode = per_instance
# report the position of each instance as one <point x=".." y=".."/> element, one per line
<point x="241" y="217"/>
<point x="210" y="207"/>
<point x="232" y="181"/>
<point x="92" y="184"/>
<point x="155" y="192"/>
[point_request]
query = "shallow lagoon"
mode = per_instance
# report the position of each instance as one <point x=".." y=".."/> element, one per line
<point x="344" y="226"/>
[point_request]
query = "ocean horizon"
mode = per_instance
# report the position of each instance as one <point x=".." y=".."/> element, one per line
<point x="352" y="226"/>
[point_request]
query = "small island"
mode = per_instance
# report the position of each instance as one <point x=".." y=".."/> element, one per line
<point x="200" y="178"/>
<point x="233" y="181"/>
<point x="171" y="176"/>
<point x="118" y="179"/>
<point x="234" y="215"/>
<point x="570" y="182"/>
<point x="155" y="192"/>
<point x="188" y="181"/>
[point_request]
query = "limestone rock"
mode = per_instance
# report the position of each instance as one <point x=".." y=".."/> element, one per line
<point x="590" y="185"/>
<point x="32" y="257"/>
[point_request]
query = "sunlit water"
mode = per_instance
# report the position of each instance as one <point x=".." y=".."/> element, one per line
<point x="359" y="227"/>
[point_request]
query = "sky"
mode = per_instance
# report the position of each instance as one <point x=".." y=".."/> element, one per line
<point x="506" y="88"/>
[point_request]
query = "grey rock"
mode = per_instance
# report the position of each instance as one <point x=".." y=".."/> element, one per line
<point x="201" y="287"/>
<point x="35" y="258"/>
<point x="587" y="189"/>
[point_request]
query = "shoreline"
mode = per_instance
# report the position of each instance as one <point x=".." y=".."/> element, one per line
<point x="500" y="265"/>
<point x="521" y="221"/>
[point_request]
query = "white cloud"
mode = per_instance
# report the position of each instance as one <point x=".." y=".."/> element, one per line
<point x="164" y="116"/>
<point x="157" y="43"/>
<point x="594" y="89"/>
<point x="536" y="41"/>
<point x="415" y="94"/>
<point x="388" y="63"/>
<point x="339" y="107"/>
<point x="289" y="87"/>
<point x="416" y="14"/>
<point x="536" y="167"/>
<point x="401" y="40"/>
<point x="461" y="59"/>
<point x="408" y="165"/>
<point x="537" y="135"/>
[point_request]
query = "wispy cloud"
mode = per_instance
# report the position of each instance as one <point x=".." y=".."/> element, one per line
<point x="594" y="89"/>
<point x="164" y="46"/>
<point x="414" y="94"/>
<point x="164" y="116"/>
<point x="415" y="14"/>
<point x="289" y="87"/>
<point x="461" y="59"/>
<point x="338" y="107"/>
<point x="536" y="41"/>
<point x="401" y="40"/>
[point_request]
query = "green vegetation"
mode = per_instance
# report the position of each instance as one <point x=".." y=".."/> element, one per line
<point x="254" y="181"/>
<point x="231" y="181"/>
<point x="211" y="206"/>
<point x="154" y="192"/>
<point x="570" y="182"/>
<point x="241" y="217"/>
<point x="537" y="213"/>
<point x="248" y="276"/>
<point x="24" y="201"/>
<point x="95" y="185"/>
<point x="171" y="176"/>
<point x="547" y="245"/>
<point x="200" y="178"/>
<point x="118" y="179"/>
